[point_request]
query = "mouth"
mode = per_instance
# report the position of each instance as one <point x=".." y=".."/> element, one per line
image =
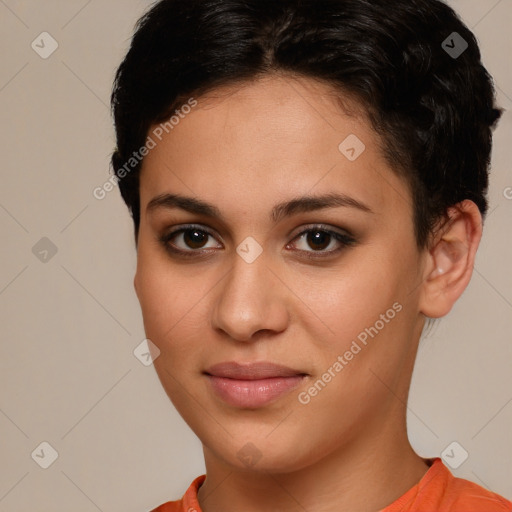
<point x="252" y="385"/>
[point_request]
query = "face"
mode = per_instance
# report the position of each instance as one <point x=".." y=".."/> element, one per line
<point x="290" y="250"/>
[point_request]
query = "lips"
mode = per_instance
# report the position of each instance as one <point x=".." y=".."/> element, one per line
<point x="252" y="385"/>
<point x="251" y="371"/>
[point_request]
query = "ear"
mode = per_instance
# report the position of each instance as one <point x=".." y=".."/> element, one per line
<point x="450" y="259"/>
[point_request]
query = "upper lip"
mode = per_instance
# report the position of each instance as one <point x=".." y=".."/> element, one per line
<point x="251" y="371"/>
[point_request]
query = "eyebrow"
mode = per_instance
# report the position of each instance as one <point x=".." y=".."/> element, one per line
<point x="302" y="204"/>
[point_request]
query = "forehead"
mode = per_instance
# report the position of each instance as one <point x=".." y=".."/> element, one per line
<point x="271" y="139"/>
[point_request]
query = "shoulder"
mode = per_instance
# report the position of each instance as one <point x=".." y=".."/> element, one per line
<point x="468" y="496"/>
<point x="441" y="491"/>
<point x="188" y="502"/>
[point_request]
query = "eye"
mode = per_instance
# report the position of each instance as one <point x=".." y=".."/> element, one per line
<point x="320" y="238"/>
<point x="193" y="240"/>
<point x="187" y="240"/>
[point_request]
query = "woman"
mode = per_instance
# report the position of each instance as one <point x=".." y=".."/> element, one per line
<point x="307" y="181"/>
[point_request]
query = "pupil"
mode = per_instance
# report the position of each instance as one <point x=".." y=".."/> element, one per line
<point x="194" y="238"/>
<point x="319" y="238"/>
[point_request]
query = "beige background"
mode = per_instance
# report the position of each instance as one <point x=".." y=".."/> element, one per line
<point x="69" y="325"/>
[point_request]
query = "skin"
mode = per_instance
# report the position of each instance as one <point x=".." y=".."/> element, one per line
<point x="244" y="149"/>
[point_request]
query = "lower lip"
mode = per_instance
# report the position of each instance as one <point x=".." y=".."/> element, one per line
<point x="253" y="393"/>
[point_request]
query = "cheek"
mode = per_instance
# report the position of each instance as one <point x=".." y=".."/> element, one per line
<point x="162" y="294"/>
<point x="363" y="313"/>
<point x="172" y="302"/>
<point x="350" y="298"/>
<point x="159" y="302"/>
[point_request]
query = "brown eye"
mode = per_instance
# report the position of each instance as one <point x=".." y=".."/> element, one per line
<point x="194" y="238"/>
<point x="314" y="242"/>
<point x="188" y="241"/>
<point x="318" y="240"/>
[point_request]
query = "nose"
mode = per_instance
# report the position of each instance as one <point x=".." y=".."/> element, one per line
<point x="250" y="301"/>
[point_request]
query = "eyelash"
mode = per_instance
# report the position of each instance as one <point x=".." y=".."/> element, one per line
<point x="344" y="239"/>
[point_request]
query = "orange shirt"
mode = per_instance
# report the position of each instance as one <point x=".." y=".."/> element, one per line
<point x="437" y="491"/>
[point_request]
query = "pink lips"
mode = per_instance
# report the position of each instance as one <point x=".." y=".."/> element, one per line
<point x="252" y="385"/>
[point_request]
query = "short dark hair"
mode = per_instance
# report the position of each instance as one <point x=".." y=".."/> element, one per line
<point x="434" y="110"/>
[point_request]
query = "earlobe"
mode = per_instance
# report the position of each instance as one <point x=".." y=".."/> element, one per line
<point x="450" y="260"/>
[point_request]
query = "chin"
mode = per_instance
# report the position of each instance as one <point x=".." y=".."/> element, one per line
<point x="261" y="454"/>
